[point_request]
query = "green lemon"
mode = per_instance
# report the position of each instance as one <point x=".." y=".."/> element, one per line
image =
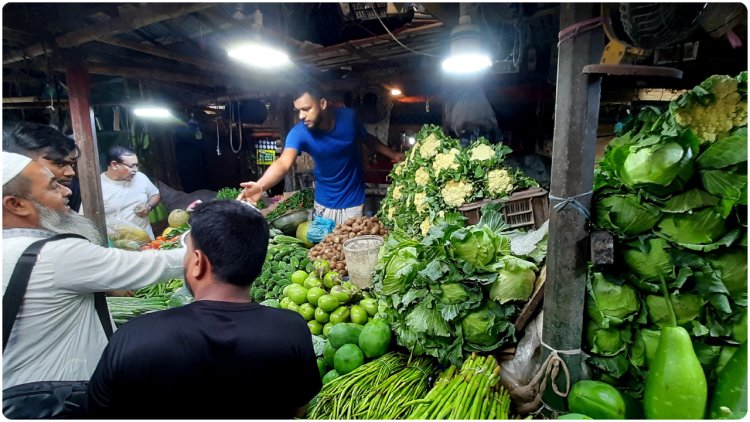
<point x="321" y="267"/>
<point x="358" y="315"/>
<point x="321" y="316"/>
<point x="293" y="307"/>
<point x="341" y="314"/>
<point x="370" y="305"/>
<point x="307" y="311"/>
<point x="298" y="294"/>
<point x="328" y="303"/>
<point x="312" y="281"/>
<point x="315" y="327"/>
<point x="298" y="277"/>
<point x="285" y="303"/>
<point x="321" y="366"/>
<point x="340" y="293"/>
<point x="314" y="294"/>
<point x="327" y="328"/>
<point x="332" y="278"/>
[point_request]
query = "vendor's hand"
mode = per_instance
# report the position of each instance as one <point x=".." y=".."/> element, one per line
<point x="397" y="156"/>
<point x="142" y="210"/>
<point x="251" y="192"/>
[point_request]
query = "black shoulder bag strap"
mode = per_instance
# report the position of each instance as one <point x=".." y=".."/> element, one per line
<point x="19" y="281"/>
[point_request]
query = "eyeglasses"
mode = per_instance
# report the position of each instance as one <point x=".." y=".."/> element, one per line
<point x="183" y="239"/>
<point x="130" y="166"/>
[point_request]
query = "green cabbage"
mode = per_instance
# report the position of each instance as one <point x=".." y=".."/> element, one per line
<point x="687" y="307"/>
<point x="626" y="215"/>
<point x="402" y="267"/>
<point x="697" y="228"/>
<point x="606" y="341"/>
<point x="487" y="327"/>
<point x="648" y="258"/>
<point x="732" y="266"/>
<point x="477" y="246"/>
<point x="644" y="347"/>
<point x="515" y="280"/>
<point x="609" y="304"/>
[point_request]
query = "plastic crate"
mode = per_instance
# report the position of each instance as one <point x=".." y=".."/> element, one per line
<point x="526" y="208"/>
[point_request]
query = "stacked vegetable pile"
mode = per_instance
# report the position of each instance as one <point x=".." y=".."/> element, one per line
<point x="349" y="345"/>
<point x="673" y="189"/>
<point x="233" y="193"/>
<point x="324" y="300"/>
<point x="472" y="392"/>
<point x="300" y="200"/>
<point x="385" y="388"/>
<point x="438" y="175"/>
<point x="285" y="255"/>
<point x="332" y="247"/>
<point x="145" y="300"/>
<point x="459" y="289"/>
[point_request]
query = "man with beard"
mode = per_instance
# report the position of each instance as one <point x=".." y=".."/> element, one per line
<point x="127" y="194"/>
<point x="221" y="356"/>
<point x="57" y="335"/>
<point x="50" y="148"/>
<point x="331" y="136"/>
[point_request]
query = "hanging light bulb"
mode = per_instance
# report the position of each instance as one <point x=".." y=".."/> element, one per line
<point x="258" y="53"/>
<point x="467" y="54"/>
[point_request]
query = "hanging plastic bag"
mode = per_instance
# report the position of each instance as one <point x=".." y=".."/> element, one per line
<point x="124" y="235"/>
<point x="319" y="229"/>
<point x="180" y="297"/>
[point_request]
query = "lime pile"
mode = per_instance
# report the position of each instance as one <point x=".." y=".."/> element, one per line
<point x="324" y="300"/>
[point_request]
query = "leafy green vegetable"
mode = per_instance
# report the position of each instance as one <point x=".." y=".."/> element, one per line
<point x="732" y="268"/>
<point x="477" y="246"/>
<point x="725" y="152"/>
<point x="607" y="341"/>
<point x="487" y="327"/>
<point x="610" y="304"/>
<point x="515" y="280"/>
<point x="698" y="227"/>
<point x="687" y="307"/>
<point x="647" y="257"/>
<point x="626" y="215"/>
<point x="228" y="193"/>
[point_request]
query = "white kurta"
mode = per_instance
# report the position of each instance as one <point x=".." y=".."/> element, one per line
<point x="57" y="335"/>
<point x="120" y="198"/>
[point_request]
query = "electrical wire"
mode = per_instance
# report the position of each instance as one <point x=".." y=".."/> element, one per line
<point x="239" y="125"/>
<point x="394" y="37"/>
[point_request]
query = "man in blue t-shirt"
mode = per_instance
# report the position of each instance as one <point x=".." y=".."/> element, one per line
<point x="331" y="136"/>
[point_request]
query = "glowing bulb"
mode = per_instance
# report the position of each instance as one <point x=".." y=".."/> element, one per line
<point x="412" y="141"/>
<point x="259" y="55"/>
<point x="395" y="91"/>
<point x="158" y="112"/>
<point x="466" y="63"/>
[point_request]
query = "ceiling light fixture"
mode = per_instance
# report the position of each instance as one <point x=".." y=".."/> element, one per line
<point x="467" y="54"/>
<point x="152" y="112"/>
<point x="259" y="55"/>
<point x="395" y="91"/>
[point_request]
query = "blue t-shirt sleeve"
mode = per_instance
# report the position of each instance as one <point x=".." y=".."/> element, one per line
<point x="295" y="139"/>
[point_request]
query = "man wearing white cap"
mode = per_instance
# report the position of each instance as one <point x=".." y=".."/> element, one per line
<point x="58" y="335"/>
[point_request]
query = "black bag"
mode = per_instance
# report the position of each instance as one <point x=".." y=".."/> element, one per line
<point x="42" y="399"/>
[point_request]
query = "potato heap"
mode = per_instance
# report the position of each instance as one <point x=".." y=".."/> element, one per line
<point x="332" y="247"/>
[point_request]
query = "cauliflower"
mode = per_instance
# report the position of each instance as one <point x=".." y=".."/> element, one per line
<point x="397" y="193"/>
<point x="425" y="226"/>
<point x="420" y="202"/>
<point x="455" y="193"/>
<point x="482" y="152"/>
<point x="710" y="120"/>
<point x="422" y="177"/>
<point x="400" y="168"/>
<point x="391" y="211"/>
<point x="499" y="182"/>
<point x="429" y="147"/>
<point x="445" y="161"/>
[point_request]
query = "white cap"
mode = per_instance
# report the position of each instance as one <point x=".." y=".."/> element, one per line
<point x="13" y="164"/>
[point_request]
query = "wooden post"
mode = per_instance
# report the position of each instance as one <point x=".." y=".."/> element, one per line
<point x="82" y="118"/>
<point x="573" y="153"/>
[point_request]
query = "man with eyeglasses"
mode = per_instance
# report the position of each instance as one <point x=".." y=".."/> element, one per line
<point x="220" y="357"/>
<point x="128" y="195"/>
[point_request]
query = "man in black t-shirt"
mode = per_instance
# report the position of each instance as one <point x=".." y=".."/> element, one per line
<point x="221" y="356"/>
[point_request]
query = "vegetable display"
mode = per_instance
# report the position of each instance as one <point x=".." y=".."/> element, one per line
<point x="285" y="255"/>
<point x="457" y="290"/>
<point x="302" y="199"/>
<point x="332" y="247"/>
<point x="672" y="188"/>
<point x="472" y="392"/>
<point x="439" y="176"/>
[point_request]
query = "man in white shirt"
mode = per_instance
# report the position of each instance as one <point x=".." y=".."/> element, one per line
<point x="127" y="194"/>
<point x="57" y="335"/>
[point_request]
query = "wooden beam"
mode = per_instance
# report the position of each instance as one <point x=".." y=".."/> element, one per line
<point x="143" y="16"/>
<point x="155" y="74"/>
<point x="574" y="140"/>
<point x="167" y="54"/>
<point x="82" y="119"/>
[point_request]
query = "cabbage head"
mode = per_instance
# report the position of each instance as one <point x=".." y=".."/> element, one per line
<point x="626" y="215"/>
<point x="609" y="304"/>
<point x="515" y="280"/>
<point x="475" y="245"/>
<point x="487" y="327"/>
<point x="694" y="228"/>
<point x="644" y="347"/>
<point x="647" y="258"/>
<point x="687" y="307"/>
<point x="607" y="341"/>
<point x="403" y="265"/>
<point x="732" y="267"/>
<point x="660" y="165"/>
